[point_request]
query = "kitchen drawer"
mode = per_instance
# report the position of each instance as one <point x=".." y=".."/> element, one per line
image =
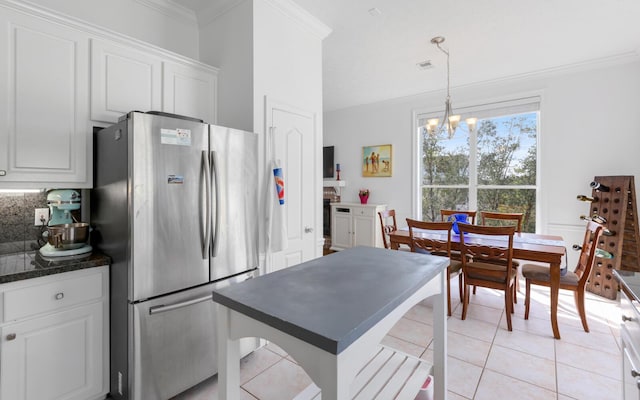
<point x="364" y="211"/>
<point x="630" y="315"/>
<point x="62" y="292"/>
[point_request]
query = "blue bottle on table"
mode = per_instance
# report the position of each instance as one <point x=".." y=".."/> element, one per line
<point x="457" y="218"/>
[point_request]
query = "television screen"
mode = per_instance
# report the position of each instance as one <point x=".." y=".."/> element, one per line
<point x="327" y="162"/>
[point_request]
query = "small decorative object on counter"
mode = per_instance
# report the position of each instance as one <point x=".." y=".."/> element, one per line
<point x="364" y="195"/>
<point x="338" y="172"/>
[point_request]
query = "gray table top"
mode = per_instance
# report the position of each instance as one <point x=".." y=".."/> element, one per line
<point x="331" y="301"/>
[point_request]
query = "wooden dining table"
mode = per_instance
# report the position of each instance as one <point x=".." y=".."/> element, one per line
<point x="526" y="246"/>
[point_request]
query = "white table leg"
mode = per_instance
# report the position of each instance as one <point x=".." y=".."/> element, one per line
<point x="228" y="357"/>
<point x="337" y="388"/>
<point x="440" y="340"/>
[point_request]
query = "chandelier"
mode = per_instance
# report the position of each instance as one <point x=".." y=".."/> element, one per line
<point x="450" y="121"/>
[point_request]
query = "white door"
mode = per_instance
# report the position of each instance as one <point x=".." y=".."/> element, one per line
<point x="294" y="146"/>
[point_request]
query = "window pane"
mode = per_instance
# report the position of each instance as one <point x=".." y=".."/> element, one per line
<point x="507" y="150"/>
<point x="435" y="199"/>
<point x="445" y="161"/>
<point x="511" y="201"/>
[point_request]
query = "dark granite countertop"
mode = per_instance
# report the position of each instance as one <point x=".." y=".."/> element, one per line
<point x="17" y="267"/>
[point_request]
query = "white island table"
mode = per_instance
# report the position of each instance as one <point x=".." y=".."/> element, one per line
<point x="330" y="315"/>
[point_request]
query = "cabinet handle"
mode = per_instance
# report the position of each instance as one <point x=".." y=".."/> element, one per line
<point x="11" y="336"/>
<point x="625" y="318"/>
<point x="308" y="229"/>
<point x="59" y="296"/>
<point x="3" y="172"/>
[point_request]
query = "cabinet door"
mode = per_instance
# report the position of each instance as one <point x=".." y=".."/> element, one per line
<point x="190" y="91"/>
<point x="44" y="130"/>
<point x="59" y="356"/>
<point x="363" y="228"/>
<point x="341" y="234"/>
<point x="123" y="79"/>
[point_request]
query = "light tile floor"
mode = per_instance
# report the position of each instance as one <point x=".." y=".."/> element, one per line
<point x="485" y="361"/>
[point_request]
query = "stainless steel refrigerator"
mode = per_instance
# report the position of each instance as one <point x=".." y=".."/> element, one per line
<point x="175" y="206"/>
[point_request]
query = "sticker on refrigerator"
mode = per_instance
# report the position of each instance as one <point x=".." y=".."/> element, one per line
<point x="175" y="179"/>
<point x="179" y="137"/>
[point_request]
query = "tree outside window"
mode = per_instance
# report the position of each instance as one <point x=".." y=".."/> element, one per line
<point x="492" y="169"/>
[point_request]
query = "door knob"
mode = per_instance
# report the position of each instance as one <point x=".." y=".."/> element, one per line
<point x="308" y="229"/>
<point x="11" y="336"/>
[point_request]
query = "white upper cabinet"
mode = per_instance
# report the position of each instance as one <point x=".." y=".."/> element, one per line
<point x="44" y="121"/>
<point x="190" y="90"/>
<point x="60" y="77"/>
<point x="123" y="79"/>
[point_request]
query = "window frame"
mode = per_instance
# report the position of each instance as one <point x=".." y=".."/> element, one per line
<point x="493" y="109"/>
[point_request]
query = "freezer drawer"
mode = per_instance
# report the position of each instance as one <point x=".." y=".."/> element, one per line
<point x="174" y="342"/>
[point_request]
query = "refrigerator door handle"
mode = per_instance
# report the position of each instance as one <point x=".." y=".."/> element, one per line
<point x="207" y="205"/>
<point x="182" y="304"/>
<point x="216" y="214"/>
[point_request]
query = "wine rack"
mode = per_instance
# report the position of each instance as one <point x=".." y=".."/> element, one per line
<point x="618" y="206"/>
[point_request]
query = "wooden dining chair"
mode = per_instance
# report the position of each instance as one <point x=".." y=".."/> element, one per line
<point x="438" y="246"/>
<point x="445" y="214"/>
<point x="575" y="281"/>
<point x="491" y="218"/>
<point x="386" y="226"/>
<point x="491" y="265"/>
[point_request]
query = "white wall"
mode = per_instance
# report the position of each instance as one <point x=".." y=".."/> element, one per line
<point x="589" y="126"/>
<point x="142" y="20"/>
<point x="227" y="43"/>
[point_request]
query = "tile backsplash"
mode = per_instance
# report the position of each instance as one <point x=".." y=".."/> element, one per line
<point x="17" y="232"/>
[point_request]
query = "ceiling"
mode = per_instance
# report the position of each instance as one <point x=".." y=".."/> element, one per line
<point x="369" y="58"/>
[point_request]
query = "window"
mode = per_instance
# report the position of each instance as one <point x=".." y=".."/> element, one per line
<point x="493" y="168"/>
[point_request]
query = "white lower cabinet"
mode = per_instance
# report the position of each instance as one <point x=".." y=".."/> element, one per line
<point x="58" y="350"/>
<point x="354" y="224"/>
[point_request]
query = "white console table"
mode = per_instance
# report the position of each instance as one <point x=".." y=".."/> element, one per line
<point x="355" y="224"/>
<point x="331" y="313"/>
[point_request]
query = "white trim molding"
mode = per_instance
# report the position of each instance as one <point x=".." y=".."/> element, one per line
<point x="302" y="16"/>
<point x="170" y="9"/>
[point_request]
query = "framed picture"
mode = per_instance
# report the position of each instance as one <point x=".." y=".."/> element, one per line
<point x="376" y="161"/>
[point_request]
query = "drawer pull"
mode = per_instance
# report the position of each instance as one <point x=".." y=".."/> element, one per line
<point x="11" y="336"/>
<point x="625" y="318"/>
<point x="59" y="296"/>
<point x="3" y="172"/>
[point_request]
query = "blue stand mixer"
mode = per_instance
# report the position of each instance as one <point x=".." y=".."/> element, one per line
<point x="65" y="237"/>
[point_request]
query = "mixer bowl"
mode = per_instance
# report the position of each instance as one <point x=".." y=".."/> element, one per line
<point x="68" y="236"/>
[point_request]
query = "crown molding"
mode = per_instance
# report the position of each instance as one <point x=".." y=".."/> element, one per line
<point x="170" y="9"/>
<point x="302" y="16"/>
<point x="216" y="10"/>
<point x="100" y="32"/>
<point x="287" y="7"/>
<point x="587" y="65"/>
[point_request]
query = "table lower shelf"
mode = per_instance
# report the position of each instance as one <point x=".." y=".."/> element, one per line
<point x="389" y="374"/>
